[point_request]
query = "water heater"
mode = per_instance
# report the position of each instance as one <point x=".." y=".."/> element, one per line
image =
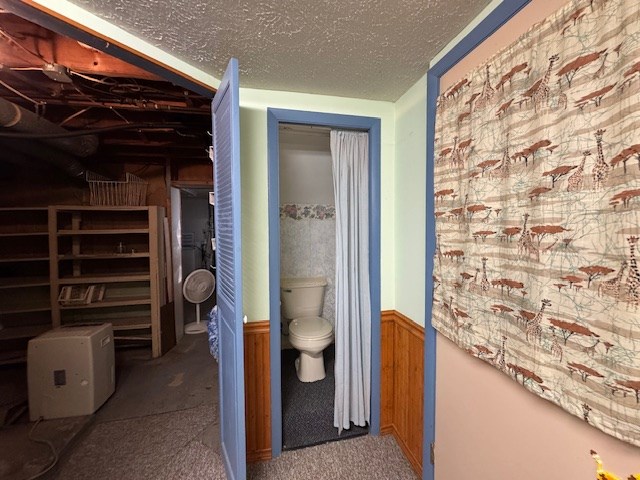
<point x="70" y="371"/>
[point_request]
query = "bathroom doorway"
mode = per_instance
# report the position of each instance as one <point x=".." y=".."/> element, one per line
<point x="302" y="245"/>
<point x="308" y="259"/>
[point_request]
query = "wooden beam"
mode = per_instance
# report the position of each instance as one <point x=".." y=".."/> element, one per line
<point x="138" y="143"/>
<point x="50" y="47"/>
<point x="56" y="21"/>
<point x="152" y="106"/>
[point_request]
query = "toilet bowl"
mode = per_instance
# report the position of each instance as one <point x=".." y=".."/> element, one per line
<point x="310" y="336"/>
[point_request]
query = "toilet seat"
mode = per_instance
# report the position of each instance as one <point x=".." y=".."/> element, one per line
<point x="310" y="328"/>
<point x="310" y="336"/>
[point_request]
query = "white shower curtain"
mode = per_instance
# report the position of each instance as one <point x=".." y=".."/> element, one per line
<point x="350" y="155"/>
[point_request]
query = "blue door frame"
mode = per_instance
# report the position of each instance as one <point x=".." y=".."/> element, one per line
<point x="372" y="125"/>
<point x="498" y="17"/>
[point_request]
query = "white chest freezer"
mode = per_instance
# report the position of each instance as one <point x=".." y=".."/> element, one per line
<point x="70" y="371"/>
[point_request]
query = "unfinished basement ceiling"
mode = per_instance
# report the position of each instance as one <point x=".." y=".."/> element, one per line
<point x="373" y="49"/>
<point x="67" y="87"/>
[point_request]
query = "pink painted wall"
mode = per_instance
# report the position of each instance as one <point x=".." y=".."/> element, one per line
<point x="487" y="426"/>
<point x="534" y="12"/>
<point x="490" y="428"/>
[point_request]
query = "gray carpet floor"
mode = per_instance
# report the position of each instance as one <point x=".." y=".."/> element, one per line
<point x="361" y="458"/>
<point x="162" y="424"/>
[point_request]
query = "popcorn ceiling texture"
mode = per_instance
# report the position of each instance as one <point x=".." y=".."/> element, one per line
<point x="372" y="49"/>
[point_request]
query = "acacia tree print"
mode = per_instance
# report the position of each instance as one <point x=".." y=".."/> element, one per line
<point x="538" y="197"/>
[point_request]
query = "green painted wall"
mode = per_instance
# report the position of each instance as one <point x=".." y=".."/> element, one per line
<point x="410" y="189"/>
<point x="253" y="151"/>
<point x="410" y="200"/>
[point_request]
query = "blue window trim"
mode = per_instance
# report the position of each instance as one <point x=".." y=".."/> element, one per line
<point x="276" y="116"/>
<point x="498" y="17"/>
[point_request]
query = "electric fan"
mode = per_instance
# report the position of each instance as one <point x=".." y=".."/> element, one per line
<point x="197" y="287"/>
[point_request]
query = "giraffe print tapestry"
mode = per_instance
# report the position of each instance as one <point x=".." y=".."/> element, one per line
<point x="537" y="197"/>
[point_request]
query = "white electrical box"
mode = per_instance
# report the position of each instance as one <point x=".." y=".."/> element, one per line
<point x="70" y="371"/>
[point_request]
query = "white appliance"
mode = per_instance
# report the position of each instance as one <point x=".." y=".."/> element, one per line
<point x="70" y="371"/>
<point x="198" y="287"/>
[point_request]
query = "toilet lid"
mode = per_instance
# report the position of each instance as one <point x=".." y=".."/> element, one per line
<point x="310" y="327"/>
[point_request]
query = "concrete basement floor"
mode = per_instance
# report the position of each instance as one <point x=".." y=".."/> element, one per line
<point x="183" y="381"/>
<point x="162" y="424"/>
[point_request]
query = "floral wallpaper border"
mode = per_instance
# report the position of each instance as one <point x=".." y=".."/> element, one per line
<point x="298" y="211"/>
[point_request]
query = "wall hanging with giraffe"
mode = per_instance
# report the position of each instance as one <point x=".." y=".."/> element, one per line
<point x="538" y="212"/>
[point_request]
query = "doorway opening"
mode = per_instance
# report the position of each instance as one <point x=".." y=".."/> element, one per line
<point x="285" y="130"/>
<point x="308" y="263"/>
<point x="192" y="236"/>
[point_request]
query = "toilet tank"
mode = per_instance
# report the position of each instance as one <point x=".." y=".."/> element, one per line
<point x="302" y="297"/>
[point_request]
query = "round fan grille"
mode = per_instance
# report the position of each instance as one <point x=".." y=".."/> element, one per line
<point x="199" y="285"/>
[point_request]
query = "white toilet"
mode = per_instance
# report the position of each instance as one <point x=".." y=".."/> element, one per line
<point x="309" y="333"/>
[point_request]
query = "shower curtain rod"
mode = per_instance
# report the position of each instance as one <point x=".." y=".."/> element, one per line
<point x="313" y="128"/>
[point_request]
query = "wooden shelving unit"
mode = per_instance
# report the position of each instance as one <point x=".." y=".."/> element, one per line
<point x="121" y="248"/>
<point x="105" y="278"/>
<point x="25" y="309"/>
<point x="43" y="250"/>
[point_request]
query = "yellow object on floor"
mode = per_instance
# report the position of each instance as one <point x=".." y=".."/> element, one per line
<point x="602" y="474"/>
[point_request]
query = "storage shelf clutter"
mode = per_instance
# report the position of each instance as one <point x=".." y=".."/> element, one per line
<point x="81" y="294"/>
<point x="87" y="265"/>
<point x="104" y="192"/>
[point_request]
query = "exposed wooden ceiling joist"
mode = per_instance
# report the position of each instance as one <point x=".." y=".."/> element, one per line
<point x="85" y="89"/>
<point x="28" y="45"/>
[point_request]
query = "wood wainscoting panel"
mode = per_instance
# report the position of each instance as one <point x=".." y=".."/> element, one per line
<point x="387" y="329"/>
<point x="402" y="380"/>
<point x="257" y="380"/>
<point x="403" y="383"/>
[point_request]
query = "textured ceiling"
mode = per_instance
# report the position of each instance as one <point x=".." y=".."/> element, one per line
<point x="374" y="49"/>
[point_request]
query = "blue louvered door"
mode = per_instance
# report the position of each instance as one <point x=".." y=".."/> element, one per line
<point x="226" y="184"/>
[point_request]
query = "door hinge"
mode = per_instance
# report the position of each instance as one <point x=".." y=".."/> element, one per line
<point x="210" y="152"/>
<point x="432" y="453"/>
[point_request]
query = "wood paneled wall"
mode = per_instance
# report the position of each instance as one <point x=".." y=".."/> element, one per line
<point x="257" y="380"/>
<point x="402" y="386"/>
<point x="402" y="383"/>
<point x="387" y="360"/>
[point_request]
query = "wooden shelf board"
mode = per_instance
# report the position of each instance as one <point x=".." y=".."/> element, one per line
<point x="130" y="323"/>
<point x="192" y="183"/>
<point x="111" y="231"/>
<point x="102" y="256"/>
<point x="107" y="278"/>
<point x="24" y="209"/>
<point x="123" y="323"/>
<point x="20" y="282"/>
<point x="26" y="309"/>
<point x="13" y="357"/>
<point x="23" y="234"/>
<point x="29" y="331"/>
<point x="111" y="302"/>
<point x="144" y="338"/>
<point x="24" y="258"/>
<point x="85" y="208"/>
